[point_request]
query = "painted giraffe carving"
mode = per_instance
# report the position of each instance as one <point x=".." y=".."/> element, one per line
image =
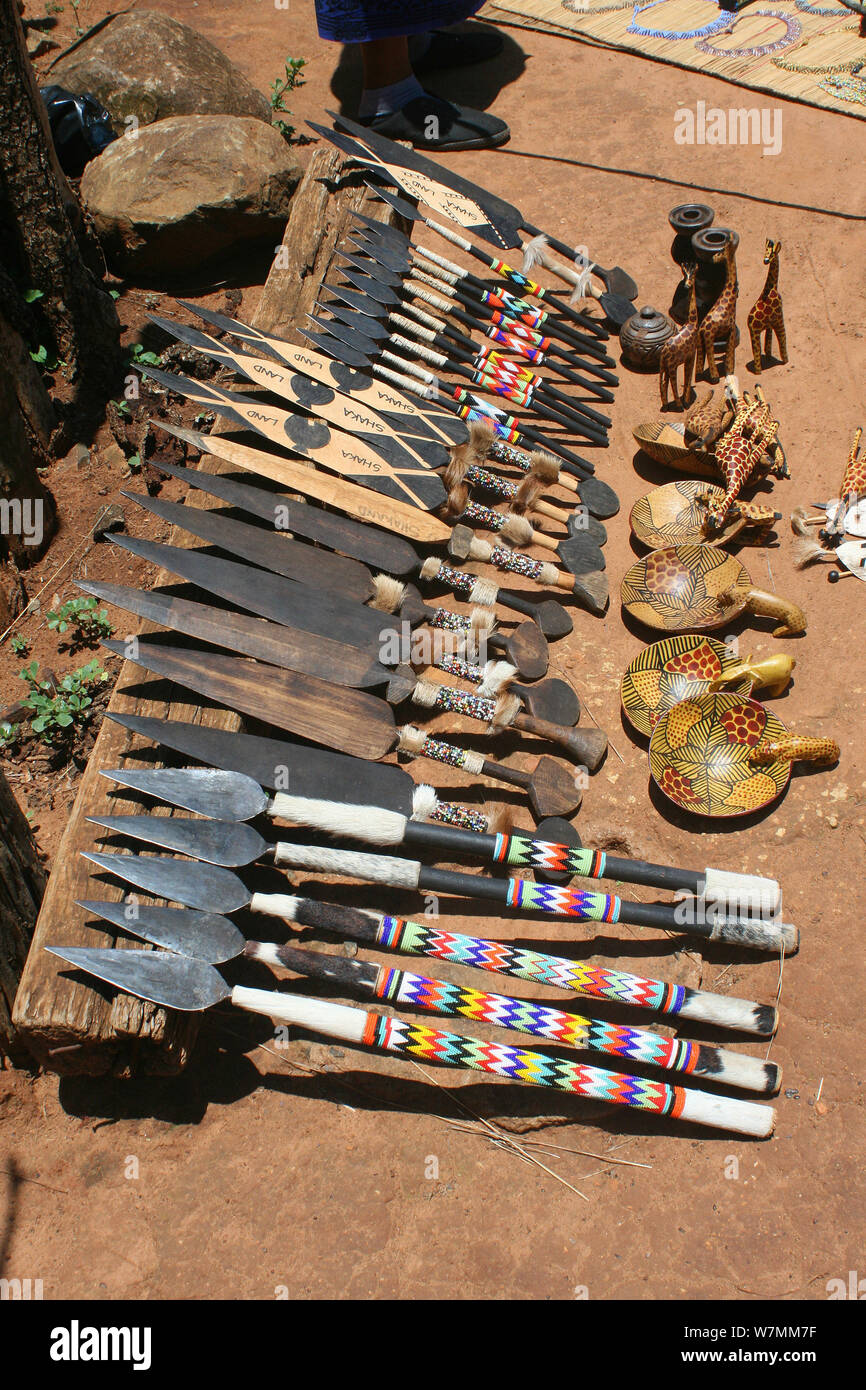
<point x="720" y="322"/>
<point x="680" y="350"/>
<point x="740" y="449"/>
<point x="766" y="315"/>
<point x="853" y="491"/>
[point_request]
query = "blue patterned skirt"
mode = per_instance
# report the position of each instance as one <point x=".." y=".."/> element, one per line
<point x="359" y="21"/>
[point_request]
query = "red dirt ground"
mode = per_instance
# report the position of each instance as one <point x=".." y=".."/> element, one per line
<point x="319" y="1172"/>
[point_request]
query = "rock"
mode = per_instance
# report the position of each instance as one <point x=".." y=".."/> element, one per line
<point x="110" y="518"/>
<point x="183" y="191"/>
<point x="147" y="65"/>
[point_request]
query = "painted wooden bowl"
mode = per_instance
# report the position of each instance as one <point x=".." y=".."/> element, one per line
<point x="678" y="514"/>
<point x="664" y="442"/>
<point x="685" y="588"/>
<point x="725" y="755"/>
<point x="681" y="668"/>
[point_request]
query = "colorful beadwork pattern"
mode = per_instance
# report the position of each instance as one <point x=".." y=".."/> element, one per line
<point x="446" y="621"/>
<point x="563" y="902"/>
<point x="577" y="977"/>
<point x="463" y="817"/>
<point x="455" y="579"/>
<point x="457" y="1050"/>
<point x="490" y="482"/>
<point x="517" y="458"/>
<point x="486" y="517"/>
<point x="440" y="752"/>
<point x="700" y="755"/>
<point x="516" y="563"/>
<point x="521" y="852"/>
<point x="462" y="702"/>
<point x="675" y="669"/>
<point x="400" y="987"/>
<point x="463" y="670"/>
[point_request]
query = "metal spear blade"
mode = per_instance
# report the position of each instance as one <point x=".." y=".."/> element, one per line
<point x="227" y="796"/>
<point x="205" y="886"/>
<point x="204" y="936"/>
<point x="173" y="982"/>
<point x="279" y="764"/>
<point x="231" y="844"/>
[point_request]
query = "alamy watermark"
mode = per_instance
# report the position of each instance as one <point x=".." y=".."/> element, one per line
<point x="739" y="125"/>
<point x="22" y="516"/>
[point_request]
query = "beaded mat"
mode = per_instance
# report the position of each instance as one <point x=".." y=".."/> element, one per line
<point x="764" y="42"/>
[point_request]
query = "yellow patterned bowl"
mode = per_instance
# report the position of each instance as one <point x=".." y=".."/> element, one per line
<point x="721" y="754"/>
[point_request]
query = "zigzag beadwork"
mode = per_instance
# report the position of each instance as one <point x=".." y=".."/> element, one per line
<point x="578" y="977"/>
<point x="436" y="1045"/>
<point x="520" y="851"/>
<point x="400" y="987"/>
<point x="564" y="902"/>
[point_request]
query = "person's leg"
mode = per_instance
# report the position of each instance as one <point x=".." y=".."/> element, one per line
<point x="389" y="82"/>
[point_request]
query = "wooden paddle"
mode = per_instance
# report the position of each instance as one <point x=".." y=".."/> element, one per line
<point x="404" y="521"/>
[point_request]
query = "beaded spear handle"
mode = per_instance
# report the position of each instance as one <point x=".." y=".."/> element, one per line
<point x="498" y="958"/>
<point x="459" y="1050"/>
<point x="402" y="987"/>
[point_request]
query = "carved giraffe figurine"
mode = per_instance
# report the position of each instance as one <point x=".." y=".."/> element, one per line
<point x="741" y="448"/>
<point x="680" y="350"/>
<point x="708" y="419"/>
<point x="721" y="320"/>
<point x="766" y="315"/>
<point x="853" y="490"/>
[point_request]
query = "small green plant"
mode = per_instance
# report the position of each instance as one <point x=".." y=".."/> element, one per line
<point x="139" y="353"/>
<point x="84" y="615"/>
<point x="8" y="734"/>
<point x="19" y="645"/>
<point x="122" y="407"/>
<point x="133" y="463"/>
<point x="45" y="357"/>
<point x="58" y="708"/>
<point x="293" y="78"/>
<point x="31" y="296"/>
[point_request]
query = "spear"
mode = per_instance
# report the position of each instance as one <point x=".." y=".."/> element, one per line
<point x="236" y="796"/>
<point x="275" y="764"/>
<point x="617" y="307"/>
<point x="551" y="789"/>
<point x="490" y="374"/>
<point x="436" y="281"/>
<point x="396" y="256"/>
<point x="224" y="845"/>
<point x="172" y="981"/>
<point x="393" y="441"/>
<point x="467" y="404"/>
<point x="341" y="370"/>
<point x="375" y="299"/>
<point x="215" y="940"/>
<point x="462" y="202"/>
<point x="479" y="296"/>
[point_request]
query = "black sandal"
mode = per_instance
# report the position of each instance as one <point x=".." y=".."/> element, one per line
<point x="430" y="123"/>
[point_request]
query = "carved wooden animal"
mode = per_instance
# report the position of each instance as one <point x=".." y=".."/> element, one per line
<point x="853" y="490"/>
<point x="680" y="350"/>
<point x="766" y="315"/>
<point x="721" y="320"/>
<point x="709" y="418"/>
<point x="741" y="448"/>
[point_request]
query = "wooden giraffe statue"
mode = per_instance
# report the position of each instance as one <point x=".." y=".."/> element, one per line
<point x="766" y="316"/>
<point x="741" y="448"/>
<point x="853" y="490"/>
<point x="680" y="350"/>
<point x="721" y="320"/>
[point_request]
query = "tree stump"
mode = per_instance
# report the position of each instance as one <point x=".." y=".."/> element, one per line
<point x="22" y="884"/>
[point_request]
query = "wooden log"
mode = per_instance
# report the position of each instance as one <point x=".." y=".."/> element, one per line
<point x="69" y="1026"/>
<point x="22" y="884"/>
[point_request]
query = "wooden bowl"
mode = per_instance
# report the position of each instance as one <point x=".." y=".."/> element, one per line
<point x="664" y="442"/>
<point x="675" y="669"/>
<point x="722" y="754"/>
<point x="677" y="514"/>
<point x="685" y="588"/>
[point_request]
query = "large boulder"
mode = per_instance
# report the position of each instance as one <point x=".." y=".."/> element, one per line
<point x="147" y="65"/>
<point x="186" y="190"/>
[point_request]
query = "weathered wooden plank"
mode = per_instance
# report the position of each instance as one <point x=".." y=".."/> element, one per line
<point x="67" y="1025"/>
<point x="22" y="885"/>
